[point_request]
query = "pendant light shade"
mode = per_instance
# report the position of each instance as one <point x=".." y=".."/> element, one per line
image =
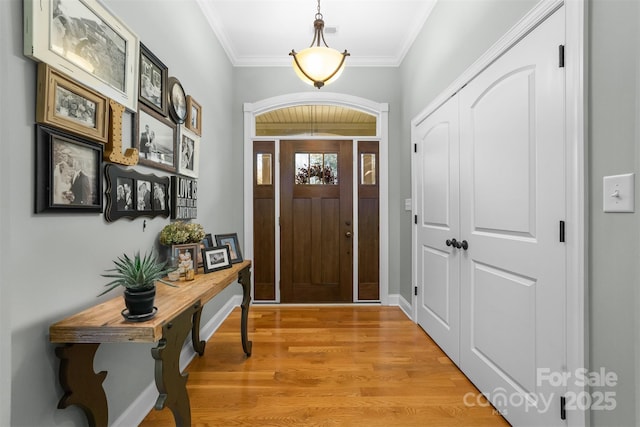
<point x="318" y="65"/>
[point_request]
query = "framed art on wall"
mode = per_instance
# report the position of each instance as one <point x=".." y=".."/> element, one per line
<point x="83" y="38"/>
<point x="194" y="116"/>
<point x="68" y="105"/>
<point x="68" y="172"/>
<point x="131" y="194"/>
<point x="153" y="81"/>
<point x="156" y="140"/>
<point x="189" y="160"/>
<point x="177" y="100"/>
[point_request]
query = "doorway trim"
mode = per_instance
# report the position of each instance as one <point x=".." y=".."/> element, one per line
<point x="577" y="325"/>
<point x="379" y="110"/>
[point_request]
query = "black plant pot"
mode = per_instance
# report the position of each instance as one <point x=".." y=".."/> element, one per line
<point x="139" y="304"/>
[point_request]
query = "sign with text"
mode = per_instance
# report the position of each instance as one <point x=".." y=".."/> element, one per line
<point x="184" y="198"/>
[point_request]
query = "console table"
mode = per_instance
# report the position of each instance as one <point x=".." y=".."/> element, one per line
<point x="179" y="311"/>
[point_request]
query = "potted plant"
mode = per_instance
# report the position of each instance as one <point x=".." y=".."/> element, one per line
<point x="138" y="275"/>
<point x="179" y="232"/>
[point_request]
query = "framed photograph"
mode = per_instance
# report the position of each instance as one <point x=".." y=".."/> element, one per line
<point x="194" y="116"/>
<point x="187" y="256"/>
<point x="131" y="194"/>
<point x="156" y="140"/>
<point x="188" y="163"/>
<point x="153" y="81"/>
<point x="177" y="100"/>
<point x="231" y="241"/>
<point x="207" y="241"/>
<point x="83" y="38"/>
<point x="216" y="258"/>
<point x="65" y="104"/>
<point x="68" y="172"/>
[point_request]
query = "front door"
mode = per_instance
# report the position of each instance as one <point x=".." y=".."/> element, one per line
<point x="316" y="209"/>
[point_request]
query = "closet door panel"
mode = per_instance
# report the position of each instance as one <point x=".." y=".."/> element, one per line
<point x="437" y="201"/>
<point x="512" y="199"/>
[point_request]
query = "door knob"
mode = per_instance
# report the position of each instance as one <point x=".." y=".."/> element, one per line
<point x="452" y="242"/>
<point x="348" y="234"/>
<point x="464" y="245"/>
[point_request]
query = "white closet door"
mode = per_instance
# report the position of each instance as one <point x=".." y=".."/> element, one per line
<point x="438" y="265"/>
<point x="512" y="200"/>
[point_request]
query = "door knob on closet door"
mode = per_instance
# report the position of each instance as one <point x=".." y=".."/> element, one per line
<point x="464" y="245"/>
<point x="451" y="242"/>
<point x="348" y="234"/>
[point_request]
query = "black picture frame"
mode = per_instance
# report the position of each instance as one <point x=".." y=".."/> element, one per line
<point x="231" y="241"/>
<point x="68" y="173"/>
<point x="216" y="258"/>
<point x="150" y="201"/>
<point x="156" y="140"/>
<point x="152" y="83"/>
<point x="177" y="100"/>
<point x="207" y="241"/>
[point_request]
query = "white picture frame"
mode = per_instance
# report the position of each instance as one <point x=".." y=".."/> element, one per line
<point x="188" y="152"/>
<point x="88" y="43"/>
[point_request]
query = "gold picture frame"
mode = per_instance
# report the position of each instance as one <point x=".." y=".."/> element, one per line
<point x="71" y="106"/>
<point x="194" y="116"/>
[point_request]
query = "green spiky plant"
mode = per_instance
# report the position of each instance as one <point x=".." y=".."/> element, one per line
<point x="137" y="273"/>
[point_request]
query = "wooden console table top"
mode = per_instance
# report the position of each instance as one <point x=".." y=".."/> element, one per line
<point x="103" y="323"/>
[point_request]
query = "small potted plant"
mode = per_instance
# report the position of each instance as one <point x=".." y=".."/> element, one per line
<point x="138" y="275"/>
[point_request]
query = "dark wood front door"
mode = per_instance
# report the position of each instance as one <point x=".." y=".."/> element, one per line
<point x="316" y="209"/>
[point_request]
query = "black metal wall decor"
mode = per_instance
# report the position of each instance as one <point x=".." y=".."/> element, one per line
<point x="184" y="198"/>
<point x="131" y="194"/>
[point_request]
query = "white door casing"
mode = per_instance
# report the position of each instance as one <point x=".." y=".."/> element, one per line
<point x="437" y="200"/>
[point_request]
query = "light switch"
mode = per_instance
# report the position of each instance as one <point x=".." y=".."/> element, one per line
<point x="407" y="205"/>
<point x="618" y="193"/>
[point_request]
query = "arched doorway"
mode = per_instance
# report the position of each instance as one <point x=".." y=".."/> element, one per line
<point x="262" y="152"/>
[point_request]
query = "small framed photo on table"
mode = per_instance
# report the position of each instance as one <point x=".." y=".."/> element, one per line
<point x="216" y="258"/>
<point x="231" y="241"/>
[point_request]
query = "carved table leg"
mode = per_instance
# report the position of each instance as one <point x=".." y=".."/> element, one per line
<point x="198" y="344"/>
<point x="171" y="383"/>
<point x="244" y="278"/>
<point x="81" y="385"/>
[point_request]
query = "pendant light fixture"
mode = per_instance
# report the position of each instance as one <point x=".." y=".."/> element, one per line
<point x="318" y="65"/>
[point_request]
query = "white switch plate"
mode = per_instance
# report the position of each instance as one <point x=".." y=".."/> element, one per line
<point x="618" y="193"/>
<point x="408" y="205"/>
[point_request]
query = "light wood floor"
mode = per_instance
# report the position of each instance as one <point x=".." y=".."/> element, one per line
<point x="327" y="366"/>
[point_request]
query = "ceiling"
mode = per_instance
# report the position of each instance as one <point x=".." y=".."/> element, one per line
<point x="263" y="32"/>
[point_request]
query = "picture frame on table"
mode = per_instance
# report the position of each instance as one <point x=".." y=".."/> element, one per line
<point x="153" y="75"/>
<point x="68" y="172"/>
<point x="230" y="240"/>
<point x="70" y="106"/>
<point x="131" y="194"/>
<point x="194" y="116"/>
<point x="177" y="100"/>
<point x="156" y="140"/>
<point x="216" y="258"/>
<point x="93" y="46"/>
<point x="208" y="241"/>
<point x="189" y="149"/>
<point x="186" y="255"/>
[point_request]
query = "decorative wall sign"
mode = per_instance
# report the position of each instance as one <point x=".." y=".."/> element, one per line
<point x="113" y="148"/>
<point x="68" y="172"/>
<point x="184" y="198"/>
<point x="131" y="194"/>
<point x="83" y="38"/>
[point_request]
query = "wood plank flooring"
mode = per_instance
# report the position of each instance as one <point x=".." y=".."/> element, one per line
<point x="328" y="366"/>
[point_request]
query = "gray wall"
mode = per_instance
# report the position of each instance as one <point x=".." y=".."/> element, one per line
<point x="51" y="263"/>
<point x="455" y="35"/>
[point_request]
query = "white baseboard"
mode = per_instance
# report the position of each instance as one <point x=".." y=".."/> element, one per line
<point x="140" y="407"/>
<point x="405" y="306"/>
